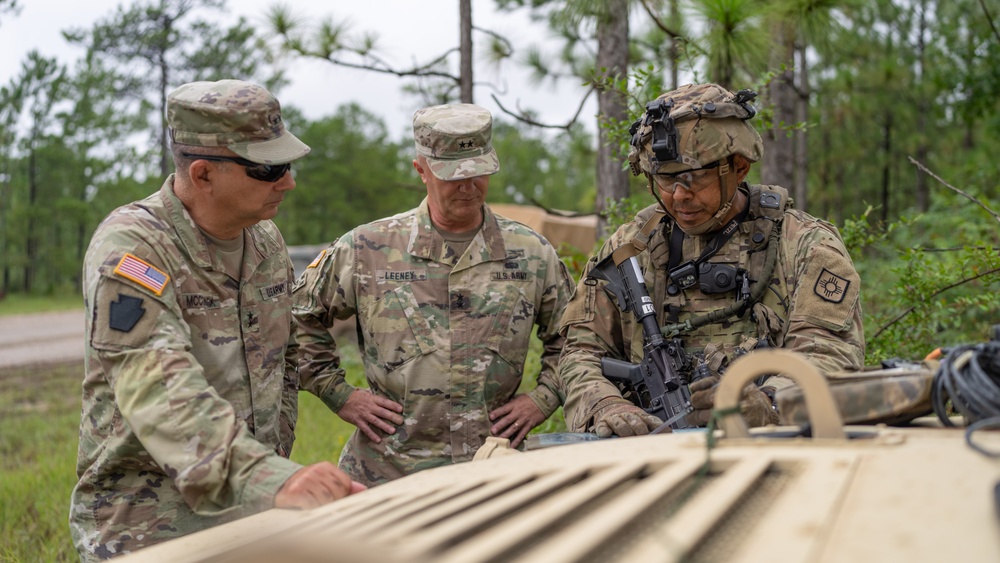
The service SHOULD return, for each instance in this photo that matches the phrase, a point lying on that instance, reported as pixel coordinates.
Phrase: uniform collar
(425, 242)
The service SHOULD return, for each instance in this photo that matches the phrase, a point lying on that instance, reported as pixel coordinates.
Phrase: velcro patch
(317, 259)
(270, 292)
(142, 273)
(124, 313)
(400, 275)
(831, 287)
(199, 301)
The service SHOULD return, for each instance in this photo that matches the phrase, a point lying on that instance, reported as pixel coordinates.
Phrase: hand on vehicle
(614, 415)
(515, 419)
(368, 411)
(755, 405)
(315, 485)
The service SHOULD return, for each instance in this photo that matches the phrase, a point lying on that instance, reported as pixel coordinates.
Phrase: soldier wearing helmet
(730, 267)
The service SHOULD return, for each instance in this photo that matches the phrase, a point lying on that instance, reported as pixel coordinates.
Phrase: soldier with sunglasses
(190, 390)
(730, 267)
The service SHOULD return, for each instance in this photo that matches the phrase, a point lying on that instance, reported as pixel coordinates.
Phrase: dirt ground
(54, 338)
(41, 338)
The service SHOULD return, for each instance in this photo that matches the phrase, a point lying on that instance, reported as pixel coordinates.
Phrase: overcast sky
(409, 31)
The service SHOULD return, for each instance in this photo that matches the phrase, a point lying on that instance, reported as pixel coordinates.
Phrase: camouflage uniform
(174, 437)
(443, 335)
(811, 305)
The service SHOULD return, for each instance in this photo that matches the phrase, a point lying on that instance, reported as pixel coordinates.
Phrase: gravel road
(41, 338)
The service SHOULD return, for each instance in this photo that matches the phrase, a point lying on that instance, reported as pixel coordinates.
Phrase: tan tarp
(579, 233)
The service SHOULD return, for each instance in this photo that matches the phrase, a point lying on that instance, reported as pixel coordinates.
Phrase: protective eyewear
(263, 172)
(693, 181)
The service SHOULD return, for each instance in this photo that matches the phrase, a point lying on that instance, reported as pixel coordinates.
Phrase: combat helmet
(693, 127)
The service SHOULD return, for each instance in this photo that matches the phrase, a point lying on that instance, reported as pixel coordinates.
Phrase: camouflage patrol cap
(238, 115)
(711, 125)
(456, 140)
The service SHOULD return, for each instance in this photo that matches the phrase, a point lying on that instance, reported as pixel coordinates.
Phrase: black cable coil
(970, 377)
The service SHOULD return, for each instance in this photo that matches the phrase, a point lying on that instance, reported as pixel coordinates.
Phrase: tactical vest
(763, 323)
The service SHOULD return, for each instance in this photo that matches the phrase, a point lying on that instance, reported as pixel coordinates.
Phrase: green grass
(20, 304)
(39, 422)
(40, 414)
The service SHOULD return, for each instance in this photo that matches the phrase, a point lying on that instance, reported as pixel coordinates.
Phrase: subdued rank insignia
(125, 313)
(460, 301)
(831, 287)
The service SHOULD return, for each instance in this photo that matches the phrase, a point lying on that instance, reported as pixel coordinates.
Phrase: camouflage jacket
(811, 306)
(171, 440)
(443, 335)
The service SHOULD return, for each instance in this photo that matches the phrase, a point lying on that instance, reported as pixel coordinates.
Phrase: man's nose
(681, 192)
(286, 182)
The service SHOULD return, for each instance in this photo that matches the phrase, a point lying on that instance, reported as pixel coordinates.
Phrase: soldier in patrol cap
(446, 296)
(190, 390)
(730, 267)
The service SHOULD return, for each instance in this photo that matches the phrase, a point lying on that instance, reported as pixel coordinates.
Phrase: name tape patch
(272, 291)
(199, 301)
(400, 275)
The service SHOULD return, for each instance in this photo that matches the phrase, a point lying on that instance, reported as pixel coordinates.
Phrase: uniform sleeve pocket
(828, 290)
(580, 308)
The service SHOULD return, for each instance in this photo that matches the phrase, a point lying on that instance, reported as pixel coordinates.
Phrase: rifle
(655, 384)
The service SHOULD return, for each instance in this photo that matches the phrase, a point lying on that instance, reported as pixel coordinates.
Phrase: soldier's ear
(742, 166)
(200, 173)
(420, 165)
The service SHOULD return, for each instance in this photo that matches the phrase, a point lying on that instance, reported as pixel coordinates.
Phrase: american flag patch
(142, 273)
(316, 260)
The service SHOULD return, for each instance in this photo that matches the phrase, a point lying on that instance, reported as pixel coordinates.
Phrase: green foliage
(555, 172)
(928, 281)
(320, 434)
(23, 304)
(355, 174)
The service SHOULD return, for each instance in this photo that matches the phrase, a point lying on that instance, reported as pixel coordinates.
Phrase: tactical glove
(755, 405)
(614, 415)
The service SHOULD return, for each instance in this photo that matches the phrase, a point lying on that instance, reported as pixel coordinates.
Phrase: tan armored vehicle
(844, 493)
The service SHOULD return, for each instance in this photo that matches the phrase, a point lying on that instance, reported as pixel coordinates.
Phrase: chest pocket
(398, 330)
(511, 331)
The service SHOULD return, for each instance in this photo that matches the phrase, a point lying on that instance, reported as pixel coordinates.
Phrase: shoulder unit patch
(831, 287)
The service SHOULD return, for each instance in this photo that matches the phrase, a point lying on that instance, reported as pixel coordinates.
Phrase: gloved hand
(614, 415)
(755, 405)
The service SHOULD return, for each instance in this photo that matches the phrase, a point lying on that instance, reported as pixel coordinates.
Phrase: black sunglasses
(263, 172)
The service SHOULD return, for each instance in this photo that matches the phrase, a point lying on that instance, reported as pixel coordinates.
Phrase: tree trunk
(801, 172)
(31, 242)
(675, 52)
(922, 195)
(777, 164)
(887, 157)
(612, 62)
(465, 50)
(831, 203)
(165, 163)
